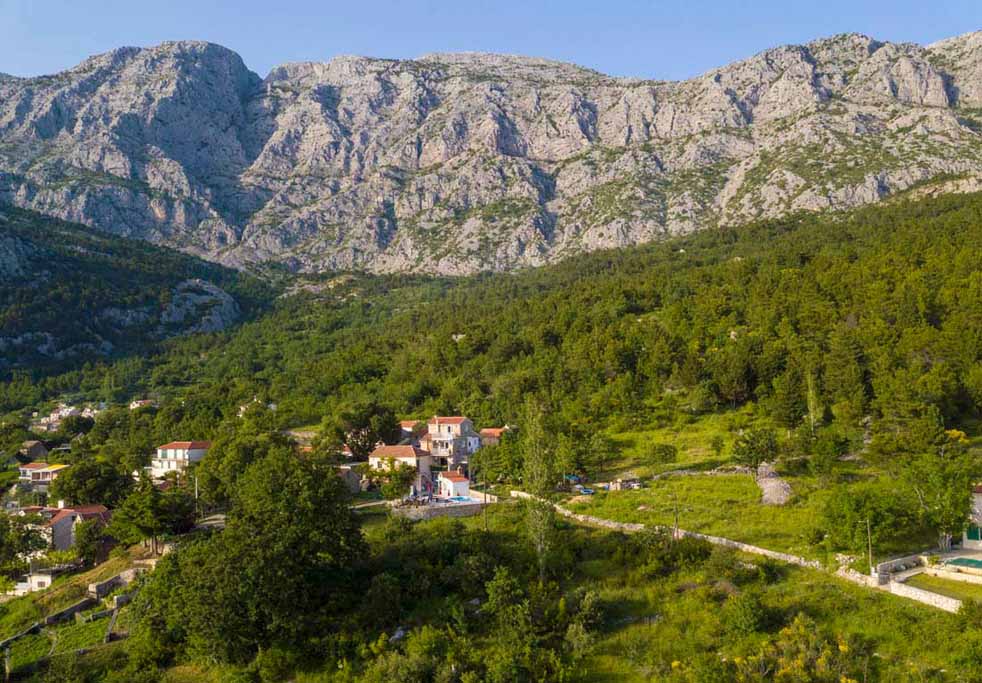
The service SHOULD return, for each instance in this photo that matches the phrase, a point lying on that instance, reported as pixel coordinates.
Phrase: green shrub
(662, 454)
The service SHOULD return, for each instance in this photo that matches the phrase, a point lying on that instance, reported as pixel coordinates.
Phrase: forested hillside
(69, 294)
(859, 335)
(874, 312)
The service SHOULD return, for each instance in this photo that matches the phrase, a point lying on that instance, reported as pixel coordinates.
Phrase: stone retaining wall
(430, 511)
(70, 611)
(724, 470)
(891, 566)
(927, 597)
(954, 576)
(897, 588)
(103, 588)
(628, 527)
(29, 631)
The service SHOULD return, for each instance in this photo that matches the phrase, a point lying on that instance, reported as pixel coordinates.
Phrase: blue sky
(650, 39)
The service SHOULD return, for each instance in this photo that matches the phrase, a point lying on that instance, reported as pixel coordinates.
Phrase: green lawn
(721, 505)
(960, 590)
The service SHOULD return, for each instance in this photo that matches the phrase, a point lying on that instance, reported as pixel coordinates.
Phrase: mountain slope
(70, 295)
(455, 163)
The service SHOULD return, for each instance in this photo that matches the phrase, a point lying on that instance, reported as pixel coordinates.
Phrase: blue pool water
(966, 562)
(459, 499)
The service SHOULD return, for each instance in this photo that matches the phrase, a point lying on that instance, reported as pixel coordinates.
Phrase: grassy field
(960, 590)
(690, 435)
(721, 505)
(658, 627)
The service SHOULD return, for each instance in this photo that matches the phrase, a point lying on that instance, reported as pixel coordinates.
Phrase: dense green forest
(80, 294)
(802, 340)
(874, 312)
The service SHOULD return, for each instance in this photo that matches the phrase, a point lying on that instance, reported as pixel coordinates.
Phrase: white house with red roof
(451, 440)
(59, 523)
(491, 436)
(385, 457)
(176, 456)
(454, 484)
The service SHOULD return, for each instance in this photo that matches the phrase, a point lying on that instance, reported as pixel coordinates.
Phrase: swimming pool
(459, 499)
(965, 562)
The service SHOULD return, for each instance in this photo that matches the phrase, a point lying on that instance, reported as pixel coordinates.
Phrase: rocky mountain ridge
(457, 163)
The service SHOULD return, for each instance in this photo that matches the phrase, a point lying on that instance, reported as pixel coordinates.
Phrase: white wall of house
(63, 533)
(422, 464)
(450, 488)
(972, 538)
(174, 460)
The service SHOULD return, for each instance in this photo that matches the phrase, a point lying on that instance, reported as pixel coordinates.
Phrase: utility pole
(869, 545)
(675, 501)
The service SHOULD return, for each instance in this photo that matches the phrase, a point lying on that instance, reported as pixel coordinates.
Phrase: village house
(59, 523)
(142, 403)
(350, 477)
(37, 579)
(450, 440)
(454, 484)
(384, 457)
(34, 450)
(176, 456)
(409, 433)
(40, 474)
(491, 436)
(972, 538)
(52, 422)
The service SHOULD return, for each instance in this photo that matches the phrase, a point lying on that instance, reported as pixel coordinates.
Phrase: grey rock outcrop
(198, 306)
(456, 163)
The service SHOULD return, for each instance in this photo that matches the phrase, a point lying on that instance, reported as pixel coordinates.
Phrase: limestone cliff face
(455, 163)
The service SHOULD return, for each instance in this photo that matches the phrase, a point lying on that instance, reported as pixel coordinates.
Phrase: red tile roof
(34, 466)
(493, 431)
(453, 476)
(83, 511)
(186, 445)
(453, 420)
(408, 424)
(399, 452)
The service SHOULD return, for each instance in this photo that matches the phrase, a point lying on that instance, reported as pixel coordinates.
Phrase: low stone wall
(896, 587)
(926, 597)
(103, 588)
(857, 577)
(629, 527)
(755, 550)
(894, 565)
(420, 512)
(69, 612)
(724, 470)
(29, 631)
(479, 495)
(953, 575)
